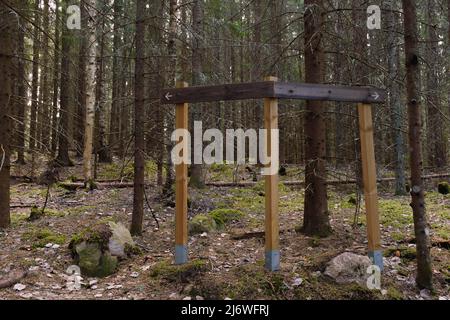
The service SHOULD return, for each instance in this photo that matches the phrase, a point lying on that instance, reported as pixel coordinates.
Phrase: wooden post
(272, 250)
(370, 183)
(181, 180)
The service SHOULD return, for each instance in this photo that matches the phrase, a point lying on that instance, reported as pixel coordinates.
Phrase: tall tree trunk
(101, 148)
(63, 158)
(155, 125)
(171, 81)
(421, 227)
(56, 70)
(21, 93)
(44, 124)
(316, 219)
(116, 67)
(436, 140)
(8, 32)
(81, 92)
(139, 141)
(197, 178)
(90, 92)
(35, 78)
(448, 59)
(395, 102)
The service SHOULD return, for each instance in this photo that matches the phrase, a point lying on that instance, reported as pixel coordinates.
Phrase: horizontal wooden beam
(271, 89)
(308, 91)
(241, 91)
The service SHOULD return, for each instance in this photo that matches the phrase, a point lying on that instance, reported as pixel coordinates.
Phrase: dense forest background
(80, 100)
(215, 42)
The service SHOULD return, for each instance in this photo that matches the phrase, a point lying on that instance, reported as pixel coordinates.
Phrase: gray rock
(119, 240)
(348, 268)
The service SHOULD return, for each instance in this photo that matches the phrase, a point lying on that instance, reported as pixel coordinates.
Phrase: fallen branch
(250, 235)
(435, 242)
(118, 184)
(14, 277)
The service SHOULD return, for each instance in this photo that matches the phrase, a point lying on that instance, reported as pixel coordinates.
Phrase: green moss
(18, 218)
(395, 213)
(253, 281)
(221, 172)
(244, 199)
(202, 223)
(292, 202)
(179, 273)
(443, 232)
(224, 216)
(36, 213)
(40, 237)
(114, 170)
(260, 187)
(394, 294)
(79, 209)
(99, 232)
(93, 262)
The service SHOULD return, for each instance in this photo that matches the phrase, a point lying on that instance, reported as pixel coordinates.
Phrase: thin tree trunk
(81, 92)
(21, 92)
(171, 80)
(44, 124)
(90, 92)
(116, 67)
(7, 34)
(35, 78)
(316, 219)
(395, 102)
(56, 70)
(101, 148)
(197, 178)
(421, 227)
(139, 141)
(63, 158)
(436, 140)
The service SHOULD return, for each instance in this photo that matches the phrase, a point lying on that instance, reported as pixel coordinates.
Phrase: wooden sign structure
(271, 90)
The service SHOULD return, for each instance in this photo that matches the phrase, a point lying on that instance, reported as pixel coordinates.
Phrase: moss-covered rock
(93, 262)
(98, 248)
(224, 216)
(202, 223)
(35, 214)
(179, 273)
(444, 188)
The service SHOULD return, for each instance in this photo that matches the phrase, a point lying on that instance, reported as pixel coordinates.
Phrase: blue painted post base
(181, 254)
(273, 260)
(377, 258)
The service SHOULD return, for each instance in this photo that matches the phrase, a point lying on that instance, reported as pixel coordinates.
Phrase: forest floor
(221, 266)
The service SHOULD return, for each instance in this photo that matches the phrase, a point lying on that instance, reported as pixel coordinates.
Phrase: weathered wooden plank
(272, 89)
(241, 91)
(306, 91)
